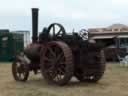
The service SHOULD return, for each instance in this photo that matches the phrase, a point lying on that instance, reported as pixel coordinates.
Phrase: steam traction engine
(59, 56)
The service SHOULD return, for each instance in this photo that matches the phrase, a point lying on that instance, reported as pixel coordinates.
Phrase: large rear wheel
(57, 63)
(94, 68)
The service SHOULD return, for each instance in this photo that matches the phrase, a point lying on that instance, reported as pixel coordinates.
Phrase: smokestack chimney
(34, 25)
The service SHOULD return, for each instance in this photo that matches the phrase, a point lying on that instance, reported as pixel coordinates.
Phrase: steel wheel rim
(56, 30)
(63, 75)
(20, 70)
(54, 66)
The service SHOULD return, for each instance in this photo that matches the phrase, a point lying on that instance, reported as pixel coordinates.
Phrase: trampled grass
(113, 83)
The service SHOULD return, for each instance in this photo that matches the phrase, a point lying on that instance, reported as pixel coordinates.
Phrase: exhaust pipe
(34, 25)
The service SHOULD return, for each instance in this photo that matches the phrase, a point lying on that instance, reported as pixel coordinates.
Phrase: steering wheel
(56, 30)
(83, 34)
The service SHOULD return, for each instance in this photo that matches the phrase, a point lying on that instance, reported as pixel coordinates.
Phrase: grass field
(113, 83)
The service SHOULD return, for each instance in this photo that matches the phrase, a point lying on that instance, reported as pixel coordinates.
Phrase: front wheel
(20, 70)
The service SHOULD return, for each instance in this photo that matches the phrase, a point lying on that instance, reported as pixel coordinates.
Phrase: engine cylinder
(33, 52)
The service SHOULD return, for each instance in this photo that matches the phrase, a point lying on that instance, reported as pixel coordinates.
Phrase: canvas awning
(109, 36)
(104, 37)
(122, 36)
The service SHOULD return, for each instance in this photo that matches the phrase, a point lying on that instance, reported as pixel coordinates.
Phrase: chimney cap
(35, 8)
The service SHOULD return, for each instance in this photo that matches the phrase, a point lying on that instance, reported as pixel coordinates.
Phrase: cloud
(68, 12)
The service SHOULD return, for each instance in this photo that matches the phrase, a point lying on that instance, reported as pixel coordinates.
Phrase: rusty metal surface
(20, 69)
(59, 55)
(61, 69)
(94, 70)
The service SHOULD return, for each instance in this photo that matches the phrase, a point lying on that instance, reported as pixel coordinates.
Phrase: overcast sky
(78, 14)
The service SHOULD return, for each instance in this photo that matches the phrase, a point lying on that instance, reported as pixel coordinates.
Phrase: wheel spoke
(58, 33)
(52, 73)
(54, 30)
(59, 77)
(56, 69)
(51, 52)
(50, 60)
(61, 70)
(20, 75)
(59, 57)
